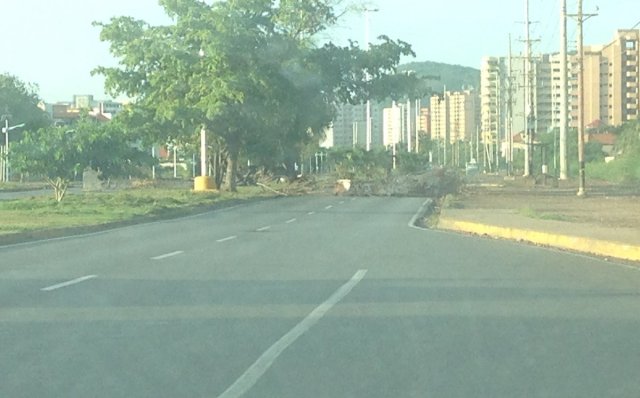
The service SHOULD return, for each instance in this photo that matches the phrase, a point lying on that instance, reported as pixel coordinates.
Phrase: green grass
(91, 209)
(452, 202)
(624, 170)
(530, 212)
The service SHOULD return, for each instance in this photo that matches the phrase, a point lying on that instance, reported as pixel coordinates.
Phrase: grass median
(42, 216)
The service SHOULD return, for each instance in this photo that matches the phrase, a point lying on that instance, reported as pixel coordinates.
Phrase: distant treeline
(453, 77)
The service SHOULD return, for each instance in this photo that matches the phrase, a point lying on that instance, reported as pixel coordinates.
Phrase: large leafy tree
(249, 71)
(19, 103)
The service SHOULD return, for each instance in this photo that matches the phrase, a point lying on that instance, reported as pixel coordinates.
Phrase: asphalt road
(11, 195)
(312, 297)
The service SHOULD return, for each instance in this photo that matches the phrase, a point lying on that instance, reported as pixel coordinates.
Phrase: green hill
(454, 77)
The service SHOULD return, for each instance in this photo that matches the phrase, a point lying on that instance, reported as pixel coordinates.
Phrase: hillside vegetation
(454, 77)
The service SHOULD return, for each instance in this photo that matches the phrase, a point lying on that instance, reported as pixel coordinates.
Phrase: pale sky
(51, 42)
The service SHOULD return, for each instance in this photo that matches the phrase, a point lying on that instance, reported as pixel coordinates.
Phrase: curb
(579, 244)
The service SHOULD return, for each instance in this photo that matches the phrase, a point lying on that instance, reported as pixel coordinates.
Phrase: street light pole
(5, 161)
(6, 129)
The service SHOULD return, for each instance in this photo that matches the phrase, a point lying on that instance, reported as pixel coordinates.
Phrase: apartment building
(454, 116)
(611, 88)
(392, 125)
(350, 129)
(611, 81)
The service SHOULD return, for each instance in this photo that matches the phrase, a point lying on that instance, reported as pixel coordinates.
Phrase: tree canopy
(19, 103)
(59, 154)
(249, 71)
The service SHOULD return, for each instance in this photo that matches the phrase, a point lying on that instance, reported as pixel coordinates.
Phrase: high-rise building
(611, 81)
(392, 125)
(611, 89)
(439, 106)
(350, 129)
(454, 116)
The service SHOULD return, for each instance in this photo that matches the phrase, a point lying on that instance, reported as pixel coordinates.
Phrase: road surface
(312, 297)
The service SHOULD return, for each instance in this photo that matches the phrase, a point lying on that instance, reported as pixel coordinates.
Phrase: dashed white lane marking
(162, 257)
(228, 238)
(311, 213)
(68, 283)
(341, 202)
(291, 221)
(249, 378)
(329, 207)
(263, 229)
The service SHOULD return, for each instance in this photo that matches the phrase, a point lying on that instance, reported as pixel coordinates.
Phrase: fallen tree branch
(271, 189)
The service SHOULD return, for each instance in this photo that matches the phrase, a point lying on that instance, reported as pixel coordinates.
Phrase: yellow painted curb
(575, 243)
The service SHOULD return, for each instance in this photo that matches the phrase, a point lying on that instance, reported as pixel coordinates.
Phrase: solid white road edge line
(262, 364)
(68, 283)
(162, 257)
(419, 213)
(106, 231)
(228, 238)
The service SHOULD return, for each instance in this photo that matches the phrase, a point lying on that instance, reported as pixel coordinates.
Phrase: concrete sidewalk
(614, 242)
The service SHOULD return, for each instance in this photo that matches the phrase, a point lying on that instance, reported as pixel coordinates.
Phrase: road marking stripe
(110, 230)
(228, 238)
(249, 378)
(420, 213)
(311, 213)
(341, 202)
(162, 257)
(68, 283)
(328, 207)
(292, 220)
(263, 229)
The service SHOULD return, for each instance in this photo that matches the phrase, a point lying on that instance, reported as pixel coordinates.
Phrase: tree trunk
(232, 171)
(59, 186)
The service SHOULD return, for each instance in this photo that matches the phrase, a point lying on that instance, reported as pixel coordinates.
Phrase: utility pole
(564, 87)
(510, 112)
(446, 124)
(367, 29)
(530, 112)
(581, 18)
(408, 126)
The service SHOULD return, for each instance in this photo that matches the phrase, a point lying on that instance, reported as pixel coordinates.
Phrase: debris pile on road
(434, 183)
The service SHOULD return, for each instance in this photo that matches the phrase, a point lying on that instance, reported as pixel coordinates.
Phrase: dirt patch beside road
(605, 205)
(606, 223)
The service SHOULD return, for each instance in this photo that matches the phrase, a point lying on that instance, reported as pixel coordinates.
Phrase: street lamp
(5, 130)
